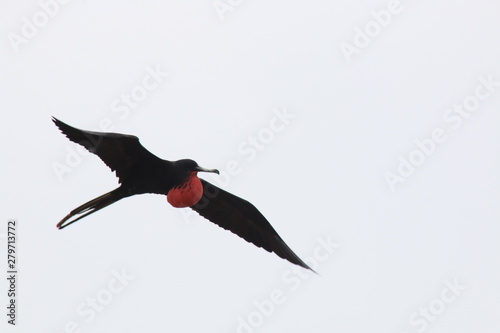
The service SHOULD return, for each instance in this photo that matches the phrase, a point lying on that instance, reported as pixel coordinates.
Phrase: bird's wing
(120, 152)
(242, 218)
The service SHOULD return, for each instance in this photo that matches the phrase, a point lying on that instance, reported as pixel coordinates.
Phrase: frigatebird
(139, 172)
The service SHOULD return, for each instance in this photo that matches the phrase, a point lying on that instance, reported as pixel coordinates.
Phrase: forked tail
(92, 206)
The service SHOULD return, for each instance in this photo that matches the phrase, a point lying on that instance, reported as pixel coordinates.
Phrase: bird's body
(139, 172)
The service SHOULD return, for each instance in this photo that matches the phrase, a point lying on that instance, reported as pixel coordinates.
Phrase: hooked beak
(199, 168)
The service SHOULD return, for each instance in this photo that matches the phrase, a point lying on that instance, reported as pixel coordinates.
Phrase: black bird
(139, 172)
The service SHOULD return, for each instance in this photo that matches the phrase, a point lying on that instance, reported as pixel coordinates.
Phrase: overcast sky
(367, 132)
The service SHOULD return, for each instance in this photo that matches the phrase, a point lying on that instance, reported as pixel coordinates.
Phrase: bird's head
(188, 166)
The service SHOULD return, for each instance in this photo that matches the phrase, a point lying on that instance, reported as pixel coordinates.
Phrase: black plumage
(139, 171)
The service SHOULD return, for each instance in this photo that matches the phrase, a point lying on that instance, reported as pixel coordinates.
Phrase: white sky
(319, 176)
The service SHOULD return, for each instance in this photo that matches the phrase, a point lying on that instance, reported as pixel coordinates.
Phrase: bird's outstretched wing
(242, 218)
(121, 153)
